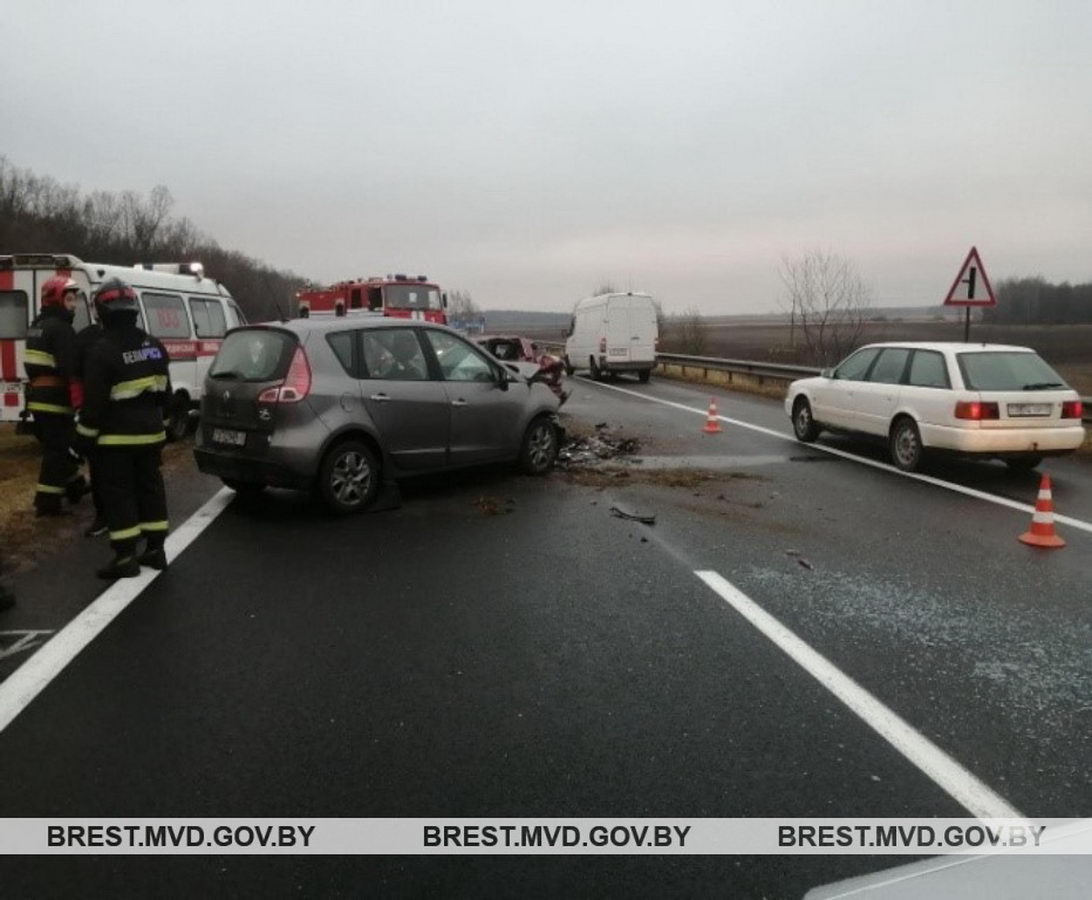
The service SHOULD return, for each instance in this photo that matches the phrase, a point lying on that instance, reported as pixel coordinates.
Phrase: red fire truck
(400, 296)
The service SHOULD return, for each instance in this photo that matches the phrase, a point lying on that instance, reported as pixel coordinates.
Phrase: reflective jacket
(126, 387)
(48, 359)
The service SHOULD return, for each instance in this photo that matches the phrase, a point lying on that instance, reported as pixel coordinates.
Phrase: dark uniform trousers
(130, 486)
(60, 470)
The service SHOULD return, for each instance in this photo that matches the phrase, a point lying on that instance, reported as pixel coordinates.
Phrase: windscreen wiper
(229, 373)
(1043, 385)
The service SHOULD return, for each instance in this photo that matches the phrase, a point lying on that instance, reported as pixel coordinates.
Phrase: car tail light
(296, 384)
(975, 410)
(1072, 409)
(602, 345)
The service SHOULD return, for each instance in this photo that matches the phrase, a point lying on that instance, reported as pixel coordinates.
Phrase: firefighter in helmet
(48, 359)
(126, 387)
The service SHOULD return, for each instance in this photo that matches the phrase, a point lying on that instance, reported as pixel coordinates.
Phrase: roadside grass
(25, 538)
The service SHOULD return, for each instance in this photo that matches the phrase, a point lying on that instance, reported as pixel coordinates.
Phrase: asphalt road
(505, 647)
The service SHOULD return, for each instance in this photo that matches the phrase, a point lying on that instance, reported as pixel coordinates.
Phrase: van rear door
(642, 322)
(619, 330)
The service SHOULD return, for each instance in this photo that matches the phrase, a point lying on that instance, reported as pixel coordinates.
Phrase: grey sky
(527, 152)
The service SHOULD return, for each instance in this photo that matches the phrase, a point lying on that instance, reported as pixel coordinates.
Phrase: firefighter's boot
(154, 556)
(120, 567)
(76, 488)
(48, 505)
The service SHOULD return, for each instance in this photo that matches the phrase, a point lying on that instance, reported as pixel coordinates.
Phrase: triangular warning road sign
(971, 286)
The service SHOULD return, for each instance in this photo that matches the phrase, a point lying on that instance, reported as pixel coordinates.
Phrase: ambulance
(187, 311)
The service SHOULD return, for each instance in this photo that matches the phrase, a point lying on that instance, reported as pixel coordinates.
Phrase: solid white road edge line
(834, 451)
(944, 771)
(32, 677)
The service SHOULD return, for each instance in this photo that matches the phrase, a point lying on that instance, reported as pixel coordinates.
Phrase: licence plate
(11, 387)
(229, 437)
(619, 351)
(1029, 409)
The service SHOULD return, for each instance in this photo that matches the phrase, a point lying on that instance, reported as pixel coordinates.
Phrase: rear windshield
(1008, 371)
(258, 354)
(505, 349)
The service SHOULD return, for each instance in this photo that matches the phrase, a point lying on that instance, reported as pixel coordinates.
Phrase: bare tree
(828, 301)
(690, 334)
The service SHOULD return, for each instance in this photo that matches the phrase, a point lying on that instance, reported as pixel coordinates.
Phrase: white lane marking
(944, 771)
(26, 640)
(33, 676)
(834, 451)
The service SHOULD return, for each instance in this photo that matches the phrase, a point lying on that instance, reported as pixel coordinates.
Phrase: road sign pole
(967, 325)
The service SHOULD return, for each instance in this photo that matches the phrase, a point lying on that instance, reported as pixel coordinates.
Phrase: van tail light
(976, 411)
(1072, 409)
(296, 384)
(602, 345)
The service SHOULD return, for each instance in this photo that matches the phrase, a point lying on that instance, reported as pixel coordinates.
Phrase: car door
(877, 396)
(409, 407)
(835, 397)
(927, 392)
(487, 407)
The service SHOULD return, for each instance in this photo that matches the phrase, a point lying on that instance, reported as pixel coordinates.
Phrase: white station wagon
(987, 400)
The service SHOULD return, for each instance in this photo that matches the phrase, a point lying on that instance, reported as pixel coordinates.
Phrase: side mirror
(443, 299)
(827, 373)
(503, 378)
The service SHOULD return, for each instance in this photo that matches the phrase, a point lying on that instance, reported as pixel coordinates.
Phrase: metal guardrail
(773, 371)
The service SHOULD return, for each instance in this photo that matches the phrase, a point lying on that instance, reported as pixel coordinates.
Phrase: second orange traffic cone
(712, 423)
(1041, 533)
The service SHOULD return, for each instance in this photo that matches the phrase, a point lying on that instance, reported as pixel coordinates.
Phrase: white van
(613, 333)
(188, 312)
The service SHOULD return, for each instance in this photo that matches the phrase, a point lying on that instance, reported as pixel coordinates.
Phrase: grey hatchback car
(345, 406)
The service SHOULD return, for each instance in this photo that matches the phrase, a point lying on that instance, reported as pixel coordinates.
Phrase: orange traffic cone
(712, 423)
(1042, 533)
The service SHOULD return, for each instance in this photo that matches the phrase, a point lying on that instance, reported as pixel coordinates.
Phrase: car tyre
(593, 368)
(905, 445)
(243, 487)
(348, 479)
(803, 422)
(538, 452)
(644, 375)
(568, 367)
(1023, 463)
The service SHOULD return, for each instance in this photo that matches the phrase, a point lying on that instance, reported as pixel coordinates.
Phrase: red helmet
(53, 291)
(115, 296)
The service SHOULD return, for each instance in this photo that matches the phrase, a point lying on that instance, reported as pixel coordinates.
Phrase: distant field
(1067, 347)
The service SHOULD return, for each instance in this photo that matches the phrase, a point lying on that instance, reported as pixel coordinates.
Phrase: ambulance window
(208, 318)
(236, 317)
(83, 316)
(166, 316)
(13, 315)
